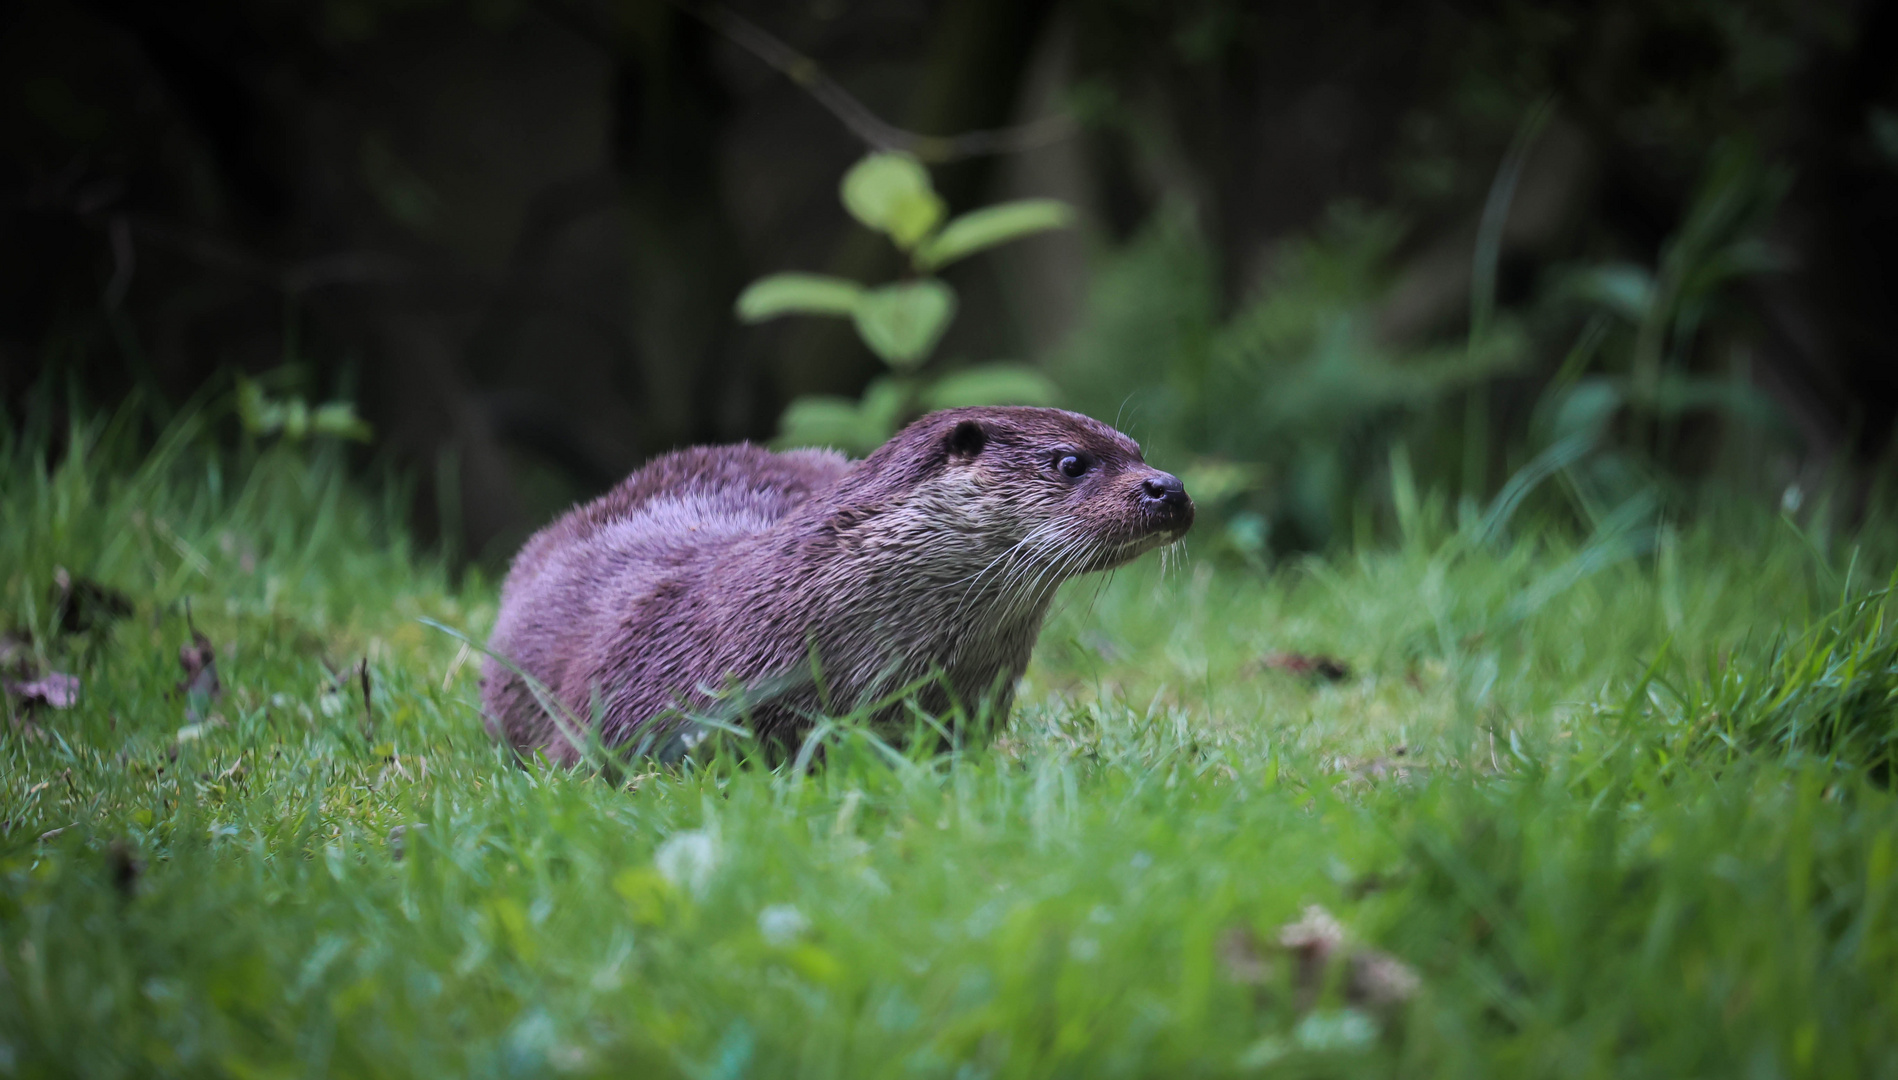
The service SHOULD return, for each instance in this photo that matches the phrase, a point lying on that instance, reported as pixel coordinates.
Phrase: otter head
(1039, 495)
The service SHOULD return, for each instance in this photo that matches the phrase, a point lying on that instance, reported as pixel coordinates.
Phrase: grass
(1557, 782)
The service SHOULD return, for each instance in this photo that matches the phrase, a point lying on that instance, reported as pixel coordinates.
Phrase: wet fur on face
(730, 568)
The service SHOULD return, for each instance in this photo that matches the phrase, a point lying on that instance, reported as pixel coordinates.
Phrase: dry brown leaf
(54, 690)
(1313, 944)
(1308, 665)
(201, 685)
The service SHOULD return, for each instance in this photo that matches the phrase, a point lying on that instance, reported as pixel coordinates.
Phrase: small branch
(95, 207)
(805, 73)
(368, 709)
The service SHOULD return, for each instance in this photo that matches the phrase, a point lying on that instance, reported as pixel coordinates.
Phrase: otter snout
(1164, 499)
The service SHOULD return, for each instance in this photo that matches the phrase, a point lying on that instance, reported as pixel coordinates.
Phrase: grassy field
(1613, 805)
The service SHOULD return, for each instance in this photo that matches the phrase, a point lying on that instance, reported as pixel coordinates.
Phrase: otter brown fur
(811, 584)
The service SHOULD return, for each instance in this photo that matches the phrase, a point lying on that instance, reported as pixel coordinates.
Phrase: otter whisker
(1100, 548)
(1060, 565)
(1020, 572)
(1011, 551)
(1173, 559)
(1100, 590)
(1101, 583)
(976, 591)
(1035, 587)
(1072, 562)
(1033, 534)
(1017, 597)
(1007, 560)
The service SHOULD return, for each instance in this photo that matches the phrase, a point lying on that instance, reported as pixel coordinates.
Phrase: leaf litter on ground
(1307, 665)
(54, 690)
(201, 684)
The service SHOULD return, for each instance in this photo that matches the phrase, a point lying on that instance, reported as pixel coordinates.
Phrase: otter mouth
(1168, 532)
(1126, 551)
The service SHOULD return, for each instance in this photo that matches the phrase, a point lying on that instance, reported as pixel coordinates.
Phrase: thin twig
(368, 709)
(855, 115)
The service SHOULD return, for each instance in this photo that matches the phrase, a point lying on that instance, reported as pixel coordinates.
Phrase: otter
(801, 583)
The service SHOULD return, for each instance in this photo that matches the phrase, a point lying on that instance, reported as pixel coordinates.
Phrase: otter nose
(1163, 493)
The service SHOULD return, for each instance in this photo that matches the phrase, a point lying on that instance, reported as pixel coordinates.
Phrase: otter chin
(771, 588)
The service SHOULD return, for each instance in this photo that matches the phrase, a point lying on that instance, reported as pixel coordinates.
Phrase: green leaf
(1586, 409)
(826, 421)
(296, 419)
(1214, 480)
(1624, 288)
(819, 420)
(901, 323)
(990, 384)
(882, 408)
(260, 415)
(891, 193)
(339, 419)
(979, 230)
(854, 426)
(803, 294)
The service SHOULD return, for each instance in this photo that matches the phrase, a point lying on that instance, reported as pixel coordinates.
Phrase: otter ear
(966, 439)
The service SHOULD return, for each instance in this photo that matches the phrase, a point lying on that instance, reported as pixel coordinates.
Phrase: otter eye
(1072, 465)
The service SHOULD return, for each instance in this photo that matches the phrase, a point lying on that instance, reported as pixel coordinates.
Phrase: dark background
(512, 232)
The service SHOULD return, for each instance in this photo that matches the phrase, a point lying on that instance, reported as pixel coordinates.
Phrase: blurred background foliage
(1640, 251)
